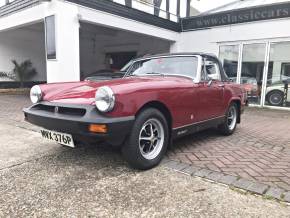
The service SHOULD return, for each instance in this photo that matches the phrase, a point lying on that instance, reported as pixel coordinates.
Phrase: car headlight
(35, 94)
(105, 99)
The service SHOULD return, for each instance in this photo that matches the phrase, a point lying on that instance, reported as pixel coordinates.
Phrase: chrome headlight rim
(105, 99)
(35, 94)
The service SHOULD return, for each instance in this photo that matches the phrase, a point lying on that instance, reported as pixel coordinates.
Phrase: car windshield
(165, 66)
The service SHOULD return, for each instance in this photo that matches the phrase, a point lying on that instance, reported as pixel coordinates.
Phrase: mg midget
(160, 98)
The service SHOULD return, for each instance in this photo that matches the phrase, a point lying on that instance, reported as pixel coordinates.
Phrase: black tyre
(148, 141)
(275, 98)
(230, 123)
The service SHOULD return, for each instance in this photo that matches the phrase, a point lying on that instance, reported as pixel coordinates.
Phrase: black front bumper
(75, 120)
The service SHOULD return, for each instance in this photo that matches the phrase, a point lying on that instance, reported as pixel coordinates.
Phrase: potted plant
(23, 71)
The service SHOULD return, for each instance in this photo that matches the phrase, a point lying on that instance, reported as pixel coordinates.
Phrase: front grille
(60, 110)
(72, 111)
(43, 107)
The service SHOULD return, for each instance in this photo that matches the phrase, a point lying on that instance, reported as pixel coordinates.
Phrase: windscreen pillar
(62, 43)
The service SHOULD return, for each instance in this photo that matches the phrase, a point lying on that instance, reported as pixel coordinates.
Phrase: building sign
(273, 11)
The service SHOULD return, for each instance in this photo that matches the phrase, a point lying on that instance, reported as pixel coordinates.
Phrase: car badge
(56, 110)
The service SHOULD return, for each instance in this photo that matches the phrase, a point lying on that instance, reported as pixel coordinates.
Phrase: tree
(23, 71)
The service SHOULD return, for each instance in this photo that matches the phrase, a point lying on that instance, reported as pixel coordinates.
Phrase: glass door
(229, 56)
(252, 70)
(277, 91)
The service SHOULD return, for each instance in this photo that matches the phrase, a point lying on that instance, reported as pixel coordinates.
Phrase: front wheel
(230, 123)
(148, 141)
(275, 98)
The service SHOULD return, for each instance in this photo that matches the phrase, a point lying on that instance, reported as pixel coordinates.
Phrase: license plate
(61, 138)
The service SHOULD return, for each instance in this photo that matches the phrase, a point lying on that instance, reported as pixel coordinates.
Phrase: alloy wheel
(276, 99)
(232, 117)
(151, 138)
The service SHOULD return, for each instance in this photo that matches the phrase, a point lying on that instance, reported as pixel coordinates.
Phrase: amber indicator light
(98, 128)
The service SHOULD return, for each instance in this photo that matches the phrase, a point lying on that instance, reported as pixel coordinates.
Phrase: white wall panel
(66, 67)
(26, 43)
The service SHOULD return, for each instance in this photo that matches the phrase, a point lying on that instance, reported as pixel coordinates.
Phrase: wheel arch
(162, 108)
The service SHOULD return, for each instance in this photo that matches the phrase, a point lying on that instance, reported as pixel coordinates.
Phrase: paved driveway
(43, 179)
(259, 150)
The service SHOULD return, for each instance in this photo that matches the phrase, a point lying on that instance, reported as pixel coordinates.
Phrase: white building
(69, 39)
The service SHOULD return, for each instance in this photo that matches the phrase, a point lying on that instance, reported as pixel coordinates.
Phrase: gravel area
(54, 181)
(43, 179)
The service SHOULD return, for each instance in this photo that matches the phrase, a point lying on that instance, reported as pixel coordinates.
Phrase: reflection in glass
(229, 55)
(252, 71)
(278, 78)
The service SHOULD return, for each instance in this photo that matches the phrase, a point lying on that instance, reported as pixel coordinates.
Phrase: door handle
(221, 85)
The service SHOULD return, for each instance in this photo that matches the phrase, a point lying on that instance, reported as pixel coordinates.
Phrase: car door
(210, 90)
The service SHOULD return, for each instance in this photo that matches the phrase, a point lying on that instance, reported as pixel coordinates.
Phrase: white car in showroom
(275, 93)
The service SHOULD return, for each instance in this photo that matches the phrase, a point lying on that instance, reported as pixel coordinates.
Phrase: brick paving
(259, 151)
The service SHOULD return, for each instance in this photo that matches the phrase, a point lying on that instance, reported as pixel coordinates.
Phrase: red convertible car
(159, 99)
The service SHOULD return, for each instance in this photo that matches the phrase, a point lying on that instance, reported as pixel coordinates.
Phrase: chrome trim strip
(198, 122)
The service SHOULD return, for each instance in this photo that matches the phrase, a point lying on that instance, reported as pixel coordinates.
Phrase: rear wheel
(148, 141)
(275, 98)
(230, 123)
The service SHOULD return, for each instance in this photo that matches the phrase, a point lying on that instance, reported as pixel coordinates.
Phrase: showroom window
(229, 56)
(253, 63)
(278, 77)
(263, 68)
